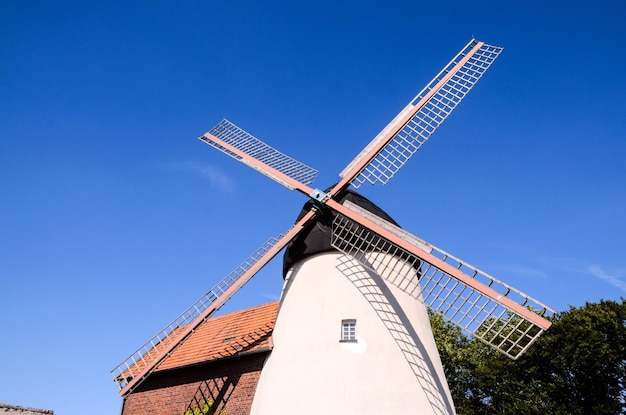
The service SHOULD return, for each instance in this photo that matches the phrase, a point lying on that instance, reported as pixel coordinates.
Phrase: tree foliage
(577, 367)
(207, 408)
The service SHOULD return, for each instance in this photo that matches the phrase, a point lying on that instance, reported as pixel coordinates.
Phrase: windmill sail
(484, 307)
(136, 368)
(413, 126)
(244, 147)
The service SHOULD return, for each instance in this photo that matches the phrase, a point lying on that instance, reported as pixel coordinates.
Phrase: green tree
(577, 367)
(208, 408)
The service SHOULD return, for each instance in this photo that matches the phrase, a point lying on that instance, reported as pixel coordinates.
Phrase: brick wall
(228, 384)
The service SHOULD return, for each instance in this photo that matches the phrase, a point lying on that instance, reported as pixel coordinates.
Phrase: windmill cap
(315, 239)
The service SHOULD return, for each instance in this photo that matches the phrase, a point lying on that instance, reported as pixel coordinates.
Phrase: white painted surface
(393, 367)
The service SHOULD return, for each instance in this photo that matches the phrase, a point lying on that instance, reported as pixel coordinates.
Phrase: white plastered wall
(393, 367)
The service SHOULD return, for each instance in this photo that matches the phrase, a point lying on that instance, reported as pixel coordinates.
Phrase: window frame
(348, 331)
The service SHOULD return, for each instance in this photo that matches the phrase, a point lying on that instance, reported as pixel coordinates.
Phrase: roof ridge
(244, 310)
(24, 408)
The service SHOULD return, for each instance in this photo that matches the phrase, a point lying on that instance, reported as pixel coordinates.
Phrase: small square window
(348, 330)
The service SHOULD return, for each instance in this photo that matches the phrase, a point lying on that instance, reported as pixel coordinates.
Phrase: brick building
(215, 370)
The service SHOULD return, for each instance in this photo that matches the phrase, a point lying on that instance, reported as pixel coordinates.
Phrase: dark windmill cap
(316, 238)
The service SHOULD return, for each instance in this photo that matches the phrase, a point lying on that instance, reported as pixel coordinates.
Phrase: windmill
(369, 247)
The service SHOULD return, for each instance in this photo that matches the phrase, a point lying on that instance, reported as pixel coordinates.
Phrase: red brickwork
(218, 365)
(228, 384)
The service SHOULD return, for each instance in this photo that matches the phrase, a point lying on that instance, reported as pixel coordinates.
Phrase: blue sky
(115, 218)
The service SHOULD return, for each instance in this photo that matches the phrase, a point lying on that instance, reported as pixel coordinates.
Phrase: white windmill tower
(353, 331)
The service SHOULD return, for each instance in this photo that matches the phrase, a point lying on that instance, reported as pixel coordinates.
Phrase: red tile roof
(228, 335)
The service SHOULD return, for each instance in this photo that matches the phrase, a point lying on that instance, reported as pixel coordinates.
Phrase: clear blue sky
(115, 217)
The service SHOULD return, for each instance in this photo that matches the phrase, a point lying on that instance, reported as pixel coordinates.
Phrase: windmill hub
(319, 195)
